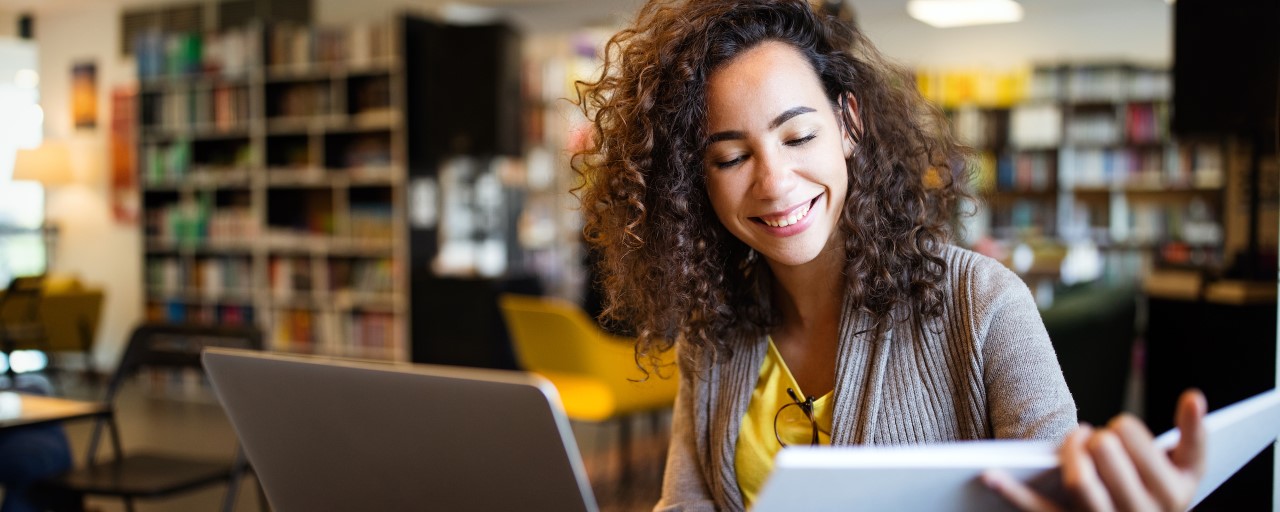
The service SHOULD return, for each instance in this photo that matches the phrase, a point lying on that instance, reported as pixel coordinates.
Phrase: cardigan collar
(860, 372)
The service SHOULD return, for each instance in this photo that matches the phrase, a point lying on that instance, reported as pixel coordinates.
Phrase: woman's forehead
(762, 82)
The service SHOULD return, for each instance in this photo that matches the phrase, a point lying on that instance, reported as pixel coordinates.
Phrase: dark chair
(139, 474)
(1093, 331)
(20, 324)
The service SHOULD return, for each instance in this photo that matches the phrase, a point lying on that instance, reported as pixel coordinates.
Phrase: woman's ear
(850, 105)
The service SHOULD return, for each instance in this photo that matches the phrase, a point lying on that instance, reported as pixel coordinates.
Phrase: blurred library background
(364, 179)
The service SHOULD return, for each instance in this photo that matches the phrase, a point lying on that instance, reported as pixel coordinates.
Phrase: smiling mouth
(795, 215)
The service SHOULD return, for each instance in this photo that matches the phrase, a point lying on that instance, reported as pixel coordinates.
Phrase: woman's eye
(800, 141)
(725, 164)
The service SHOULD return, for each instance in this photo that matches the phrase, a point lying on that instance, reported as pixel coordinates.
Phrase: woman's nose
(774, 176)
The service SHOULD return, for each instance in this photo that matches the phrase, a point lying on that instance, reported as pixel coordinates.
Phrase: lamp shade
(49, 164)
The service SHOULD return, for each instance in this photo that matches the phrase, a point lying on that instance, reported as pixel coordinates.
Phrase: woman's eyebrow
(790, 113)
(777, 121)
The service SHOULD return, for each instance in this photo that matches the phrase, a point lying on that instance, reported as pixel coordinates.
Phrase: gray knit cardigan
(983, 369)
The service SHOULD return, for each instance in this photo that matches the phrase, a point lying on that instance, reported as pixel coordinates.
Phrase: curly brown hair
(669, 269)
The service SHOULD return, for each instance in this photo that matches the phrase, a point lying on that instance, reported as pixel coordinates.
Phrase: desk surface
(22, 409)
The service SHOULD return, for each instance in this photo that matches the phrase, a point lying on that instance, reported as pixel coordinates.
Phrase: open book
(944, 477)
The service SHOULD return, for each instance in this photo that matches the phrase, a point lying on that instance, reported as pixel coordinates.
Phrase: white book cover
(945, 477)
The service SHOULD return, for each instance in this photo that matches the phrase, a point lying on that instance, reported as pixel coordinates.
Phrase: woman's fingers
(1017, 493)
(1080, 476)
(1163, 480)
(1140, 476)
(1120, 467)
(1189, 454)
(1118, 473)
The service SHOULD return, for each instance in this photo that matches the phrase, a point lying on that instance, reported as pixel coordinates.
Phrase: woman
(766, 190)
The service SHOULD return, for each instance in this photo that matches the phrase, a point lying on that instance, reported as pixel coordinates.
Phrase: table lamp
(50, 165)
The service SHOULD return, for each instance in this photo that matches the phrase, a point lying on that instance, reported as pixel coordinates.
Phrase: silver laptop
(325, 434)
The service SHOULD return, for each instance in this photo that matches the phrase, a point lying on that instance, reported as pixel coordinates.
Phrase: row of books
(292, 277)
(183, 312)
(235, 52)
(357, 44)
(364, 150)
(221, 108)
(230, 278)
(370, 94)
(1178, 168)
(183, 222)
(1148, 223)
(371, 330)
(980, 128)
(231, 53)
(951, 88)
(1043, 125)
(295, 330)
(1191, 223)
(1099, 83)
(195, 222)
(303, 330)
(1099, 128)
(1027, 172)
(1023, 215)
(1140, 123)
(303, 99)
(232, 223)
(1147, 123)
(162, 163)
(371, 221)
(177, 160)
(212, 278)
(364, 275)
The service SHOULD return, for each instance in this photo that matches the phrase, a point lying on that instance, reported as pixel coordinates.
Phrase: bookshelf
(273, 164)
(1082, 152)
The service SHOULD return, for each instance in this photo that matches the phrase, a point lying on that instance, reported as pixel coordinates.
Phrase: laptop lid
(326, 434)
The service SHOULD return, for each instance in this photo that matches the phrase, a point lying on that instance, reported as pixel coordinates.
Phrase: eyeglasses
(805, 406)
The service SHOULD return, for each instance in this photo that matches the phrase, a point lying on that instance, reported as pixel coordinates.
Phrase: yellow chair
(595, 372)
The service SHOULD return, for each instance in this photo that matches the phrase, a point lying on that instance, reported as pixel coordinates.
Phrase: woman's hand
(1118, 467)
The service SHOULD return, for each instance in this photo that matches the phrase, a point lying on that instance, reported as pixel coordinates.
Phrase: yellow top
(757, 444)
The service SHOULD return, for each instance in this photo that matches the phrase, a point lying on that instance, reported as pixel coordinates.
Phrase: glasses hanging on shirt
(805, 406)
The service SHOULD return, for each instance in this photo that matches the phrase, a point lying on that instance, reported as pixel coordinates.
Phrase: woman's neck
(809, 297)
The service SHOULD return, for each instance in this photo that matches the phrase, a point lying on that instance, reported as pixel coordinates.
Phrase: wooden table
(24, 410)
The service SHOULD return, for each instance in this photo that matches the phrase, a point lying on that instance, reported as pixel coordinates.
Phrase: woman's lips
(791, 221)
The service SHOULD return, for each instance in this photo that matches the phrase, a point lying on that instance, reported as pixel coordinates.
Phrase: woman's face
(775, 159)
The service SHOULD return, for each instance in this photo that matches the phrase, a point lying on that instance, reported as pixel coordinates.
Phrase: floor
(180, 415)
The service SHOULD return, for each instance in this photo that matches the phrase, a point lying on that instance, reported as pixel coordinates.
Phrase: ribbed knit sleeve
(1027, 397)
(684, 488)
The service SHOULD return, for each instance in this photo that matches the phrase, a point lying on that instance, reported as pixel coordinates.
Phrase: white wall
(91, 244)
(8, 24)
(1080, 30)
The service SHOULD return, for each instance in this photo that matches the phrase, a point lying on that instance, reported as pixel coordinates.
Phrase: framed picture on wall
(84, 95)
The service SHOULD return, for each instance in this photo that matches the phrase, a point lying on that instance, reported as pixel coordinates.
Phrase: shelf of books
(1082, 153)
(272, 163)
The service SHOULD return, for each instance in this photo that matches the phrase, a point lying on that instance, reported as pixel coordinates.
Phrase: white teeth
(794, 217)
